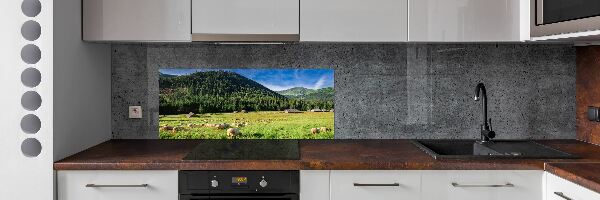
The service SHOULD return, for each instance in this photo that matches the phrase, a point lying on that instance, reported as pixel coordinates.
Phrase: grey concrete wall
(382, 90)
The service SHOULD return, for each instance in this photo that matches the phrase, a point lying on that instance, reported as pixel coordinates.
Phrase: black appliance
(554, 17)
(235, 185)
(554, 11)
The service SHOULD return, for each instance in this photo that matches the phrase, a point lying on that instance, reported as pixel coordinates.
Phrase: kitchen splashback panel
(382, 90)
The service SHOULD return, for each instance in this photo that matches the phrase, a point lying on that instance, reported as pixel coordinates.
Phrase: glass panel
(564, 10)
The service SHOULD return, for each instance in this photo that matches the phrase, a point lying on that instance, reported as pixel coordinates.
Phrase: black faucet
(486, 129)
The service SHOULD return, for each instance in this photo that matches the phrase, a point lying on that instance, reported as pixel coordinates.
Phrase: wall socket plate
(135, 112)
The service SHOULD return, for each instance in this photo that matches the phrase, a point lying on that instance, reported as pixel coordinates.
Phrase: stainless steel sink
(471, 149)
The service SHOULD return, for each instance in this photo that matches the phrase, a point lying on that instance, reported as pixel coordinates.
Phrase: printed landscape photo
(246, 104)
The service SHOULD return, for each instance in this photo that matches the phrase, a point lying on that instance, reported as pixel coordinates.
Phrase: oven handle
(245, 196)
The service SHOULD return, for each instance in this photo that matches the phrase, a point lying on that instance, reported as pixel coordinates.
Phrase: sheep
(221, 126)
(175, 129)
(233, 133)
(314, 131)
(241, 124)
(208, 125)
(190, 115)
(194, 125)
(165, 128)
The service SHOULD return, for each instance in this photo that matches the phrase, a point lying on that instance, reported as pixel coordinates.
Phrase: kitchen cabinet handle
(560, 194)
(115, 186)
(376, 184)
(492, 185)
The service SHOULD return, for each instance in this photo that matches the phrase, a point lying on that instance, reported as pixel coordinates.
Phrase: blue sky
(275, 79)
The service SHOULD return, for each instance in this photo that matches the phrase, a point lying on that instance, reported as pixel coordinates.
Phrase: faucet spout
(486, 132)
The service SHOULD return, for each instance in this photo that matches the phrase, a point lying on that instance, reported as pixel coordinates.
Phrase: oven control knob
(214, 183)
(263, 183)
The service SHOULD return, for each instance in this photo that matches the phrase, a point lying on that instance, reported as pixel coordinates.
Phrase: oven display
(239, 181)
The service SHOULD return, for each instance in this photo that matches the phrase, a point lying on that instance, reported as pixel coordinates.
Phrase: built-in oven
(237, 185)
(553, 17)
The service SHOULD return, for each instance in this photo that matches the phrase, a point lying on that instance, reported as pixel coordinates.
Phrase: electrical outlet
(135, 112)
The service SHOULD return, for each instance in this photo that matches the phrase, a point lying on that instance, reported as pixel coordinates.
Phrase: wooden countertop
(584, 174)
(331, 155)
(314, 154)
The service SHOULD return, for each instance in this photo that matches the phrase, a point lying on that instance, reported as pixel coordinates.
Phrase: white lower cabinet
(314, 184)
(560, 189)
(117, 185)
(433, 185)
(341, 185)
(482, 185)
(375, 185)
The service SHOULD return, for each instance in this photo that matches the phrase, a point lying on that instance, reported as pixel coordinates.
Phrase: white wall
(79, 93)
(21, 177)
(82, 75)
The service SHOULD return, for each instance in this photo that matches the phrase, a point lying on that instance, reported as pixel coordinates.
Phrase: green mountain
(217, 83)
(324, 94)
(222, 91)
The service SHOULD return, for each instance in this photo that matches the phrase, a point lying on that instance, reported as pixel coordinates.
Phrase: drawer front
(482, 185)
(117, 185)
(314, 185)
(375, 185)
(560, 189)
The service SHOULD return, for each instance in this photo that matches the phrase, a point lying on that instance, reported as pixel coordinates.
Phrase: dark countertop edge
(573, 177)
(416, 160)
(299, 165)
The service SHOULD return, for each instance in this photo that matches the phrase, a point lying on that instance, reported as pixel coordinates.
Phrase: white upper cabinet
(136, 20)
(468, 20)
(353, 20)
(245, 20)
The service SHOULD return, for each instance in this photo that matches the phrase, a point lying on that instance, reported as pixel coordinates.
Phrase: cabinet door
(374, 184)
(117, 185)
(136, 20)
(247, 17)
(482, 185)
(354, 20)
(560, 189)
(314, 185)
(468, 20)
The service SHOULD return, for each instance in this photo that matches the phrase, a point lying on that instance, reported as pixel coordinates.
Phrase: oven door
(238, 197)
(552, 17)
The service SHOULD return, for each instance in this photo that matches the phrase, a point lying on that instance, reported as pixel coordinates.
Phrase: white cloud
(283, 87)
(276, 87)
(319, 84)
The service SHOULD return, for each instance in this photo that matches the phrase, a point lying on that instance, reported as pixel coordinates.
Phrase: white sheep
(233, 132)
(314, 131)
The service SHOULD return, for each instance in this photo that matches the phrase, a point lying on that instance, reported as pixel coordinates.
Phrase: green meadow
(251, 125)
